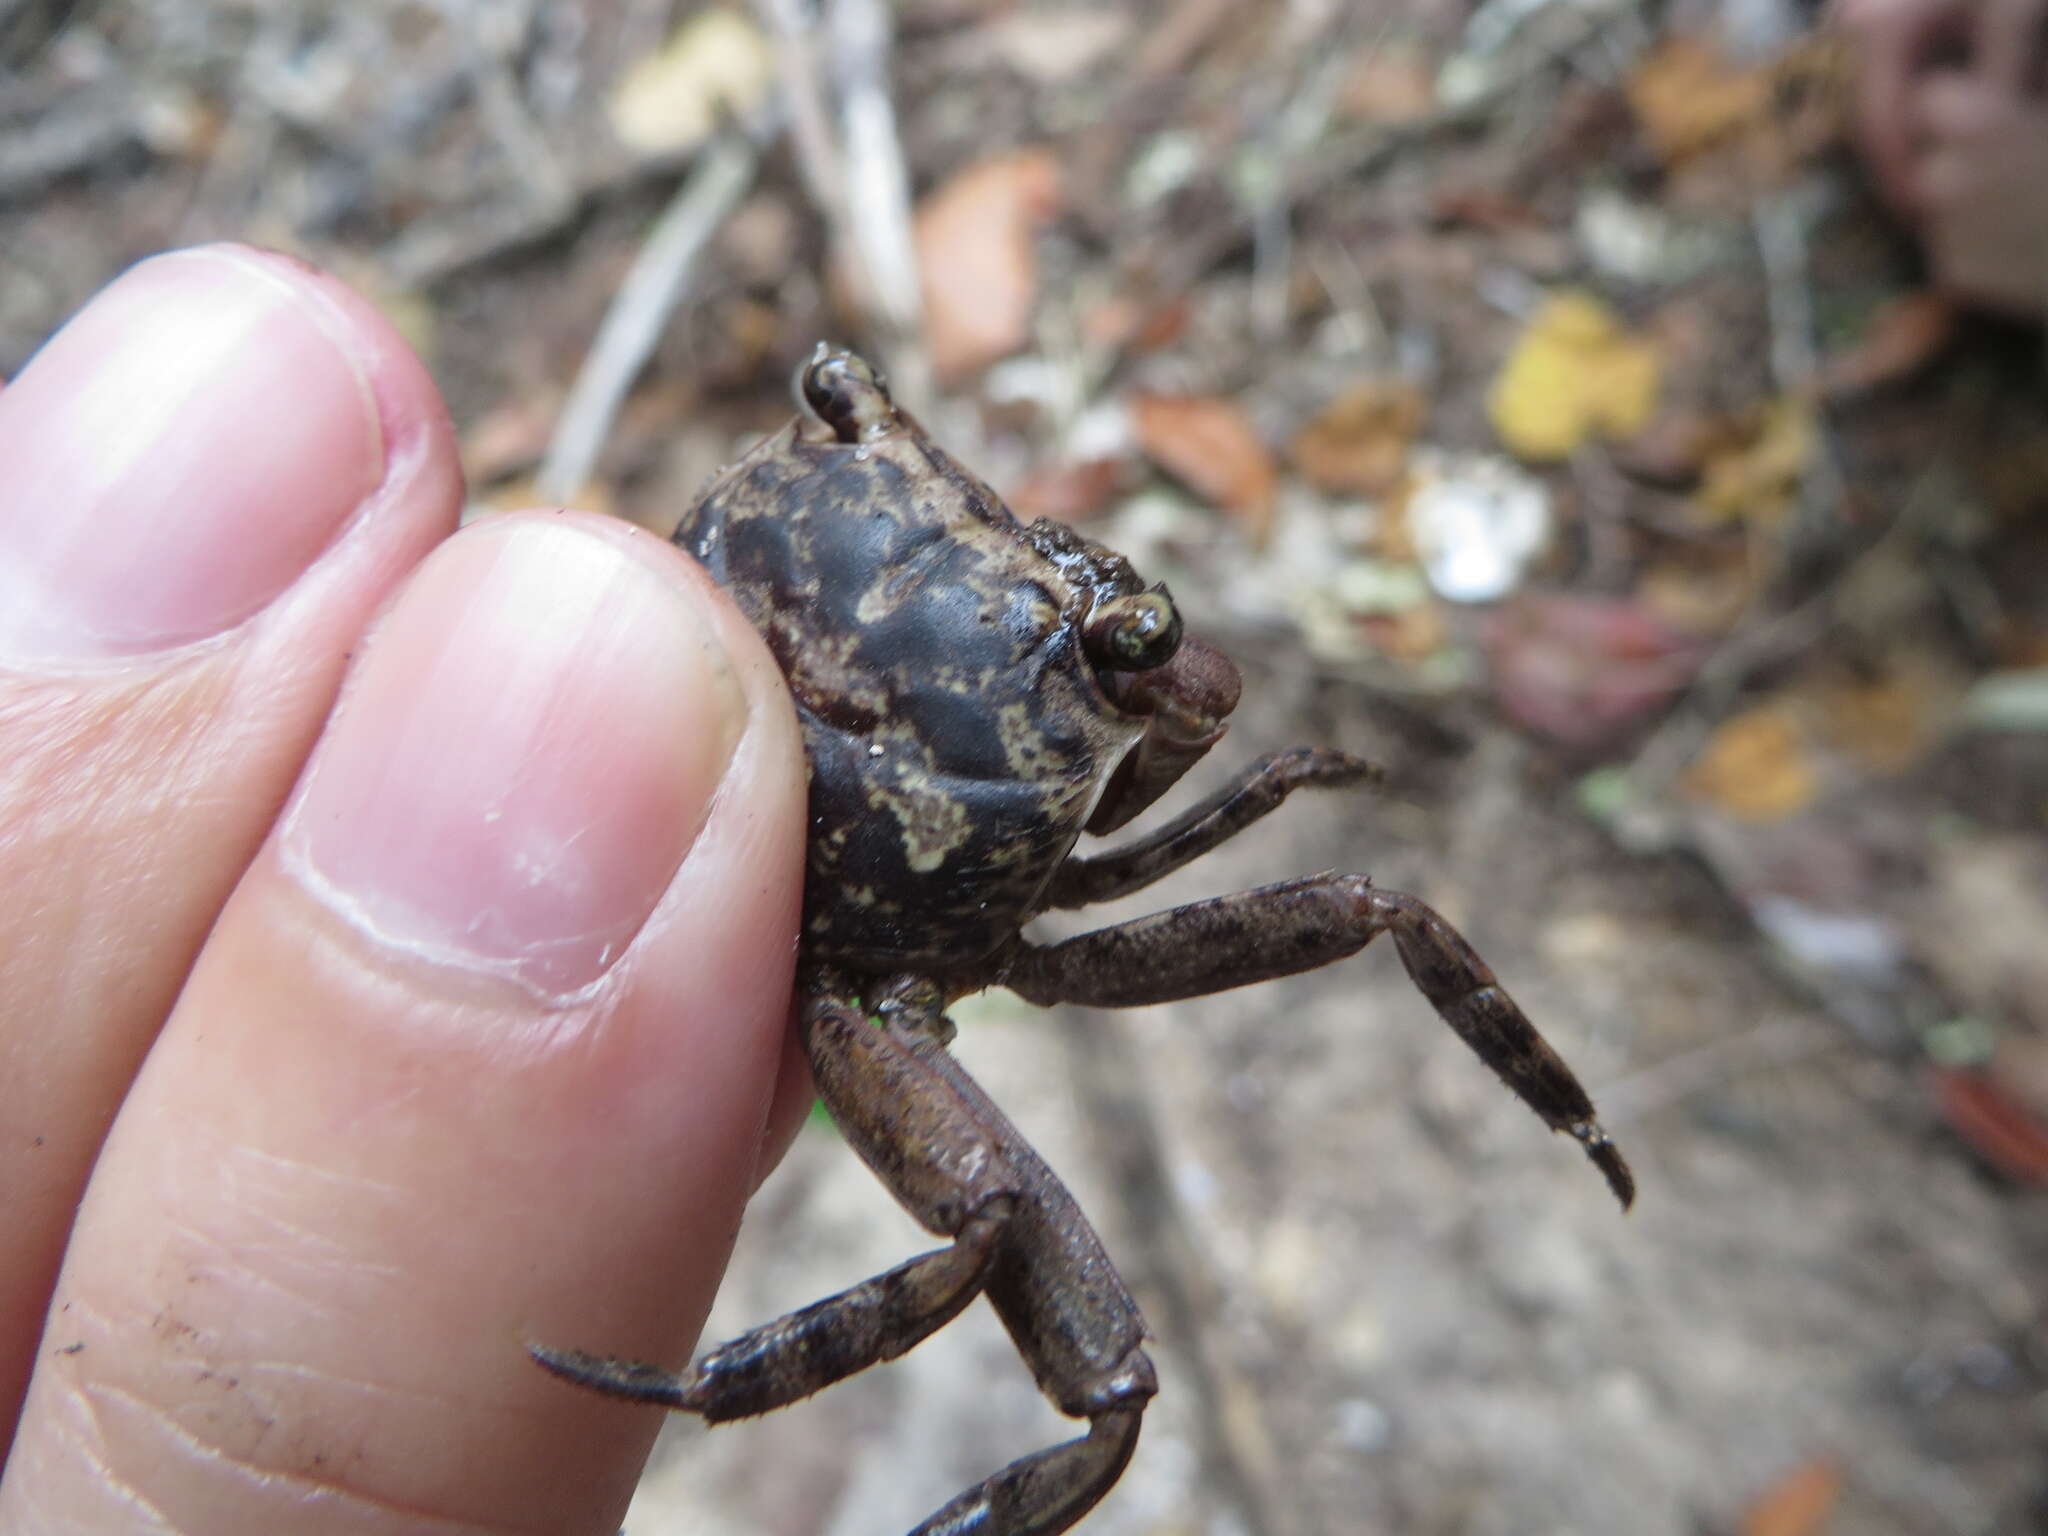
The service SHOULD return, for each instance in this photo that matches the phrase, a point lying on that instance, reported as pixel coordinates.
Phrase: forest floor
(1531, 397)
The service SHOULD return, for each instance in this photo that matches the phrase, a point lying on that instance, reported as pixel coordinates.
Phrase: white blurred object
(1477, 521)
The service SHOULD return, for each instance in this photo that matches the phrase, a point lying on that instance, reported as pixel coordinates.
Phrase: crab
(975, 694)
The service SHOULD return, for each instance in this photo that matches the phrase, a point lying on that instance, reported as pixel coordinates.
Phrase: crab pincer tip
(1607, 1158)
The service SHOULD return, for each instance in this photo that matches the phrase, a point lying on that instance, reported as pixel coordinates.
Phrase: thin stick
(878, 188)
(641, 308)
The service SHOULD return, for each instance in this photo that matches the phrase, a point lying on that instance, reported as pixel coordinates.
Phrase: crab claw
(1185, 703)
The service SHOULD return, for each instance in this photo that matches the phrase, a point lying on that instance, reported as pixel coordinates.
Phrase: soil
(1722, 796)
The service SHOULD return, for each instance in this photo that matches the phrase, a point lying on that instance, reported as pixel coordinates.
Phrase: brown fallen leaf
(1584, 671)
(1210, 444)
(977, 261)
(1689, 97)
(1071, 493)
(1799, 1503)
(1703, 590)
(1997, 1126)
(1889, 721)
(1358, 443)
(1390, 83)
(1756, 766)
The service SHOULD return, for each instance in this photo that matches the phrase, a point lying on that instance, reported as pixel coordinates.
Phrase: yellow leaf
(715, 66)
(1575, 372)
(1758, 480)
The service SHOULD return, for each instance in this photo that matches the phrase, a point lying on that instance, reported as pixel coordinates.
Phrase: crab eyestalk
(843, 398)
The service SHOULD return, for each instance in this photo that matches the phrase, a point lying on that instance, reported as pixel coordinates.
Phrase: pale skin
(1952, 113)
(348, 1052)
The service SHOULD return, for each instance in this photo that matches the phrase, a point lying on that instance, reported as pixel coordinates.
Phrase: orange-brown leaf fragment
(977, 260)
(1756, 766)
(1071, 493)
(1998, 1127)
(1757, 478)
(1689, 98)
(1210, 444)
(1799, 1503)
(1358, 443)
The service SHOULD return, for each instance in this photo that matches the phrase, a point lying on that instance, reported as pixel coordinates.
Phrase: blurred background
(1533, 396)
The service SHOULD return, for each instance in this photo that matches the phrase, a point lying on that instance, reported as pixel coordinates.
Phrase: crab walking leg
(784, 1361)
(1075, 1324)
(923, 1139)
(1256, 790)
(1298, 925)
(1046, 1493)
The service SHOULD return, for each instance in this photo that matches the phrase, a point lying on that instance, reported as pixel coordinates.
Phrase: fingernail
(523, 757)
(174, 457)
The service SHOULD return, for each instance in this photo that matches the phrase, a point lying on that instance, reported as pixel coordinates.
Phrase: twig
(1781, 222)
(1353, 156)
(818, 159)
(878, 190)
(641, 308)
(1775, 1044)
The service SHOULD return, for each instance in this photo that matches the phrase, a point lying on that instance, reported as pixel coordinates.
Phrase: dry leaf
(1389, 84)
(714, 67)
(1358, 443)
(1575, 372)
(1071, 493)
(1702, 591)
(1998, 1127)
(1799, 1503)
(977, 260)
(1889, 721)
(1689, 98)
(1757, 479)
(1211, 445)
(1756, 766)
(1583, 671)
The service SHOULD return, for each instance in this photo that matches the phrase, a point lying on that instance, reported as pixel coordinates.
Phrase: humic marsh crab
(975, 694)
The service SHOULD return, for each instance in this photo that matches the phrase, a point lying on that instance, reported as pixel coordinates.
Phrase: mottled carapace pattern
(958, 734)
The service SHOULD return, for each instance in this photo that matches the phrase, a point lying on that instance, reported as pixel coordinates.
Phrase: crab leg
(946, 1171)
(787, 1360)
(957, 1164)
(1298, 925)
(1045, 1493)
(1258, 789)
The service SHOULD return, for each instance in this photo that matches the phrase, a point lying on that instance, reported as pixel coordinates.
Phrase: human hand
(1952, 114)
(464, 1006)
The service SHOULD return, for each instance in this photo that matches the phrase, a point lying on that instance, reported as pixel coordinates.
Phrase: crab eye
(841, 390)
(1133, 634)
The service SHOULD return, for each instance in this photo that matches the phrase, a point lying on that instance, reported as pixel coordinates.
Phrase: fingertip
(361, 1175)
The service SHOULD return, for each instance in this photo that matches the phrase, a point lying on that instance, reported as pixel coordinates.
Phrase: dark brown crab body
(974, 695)
(957, 732)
